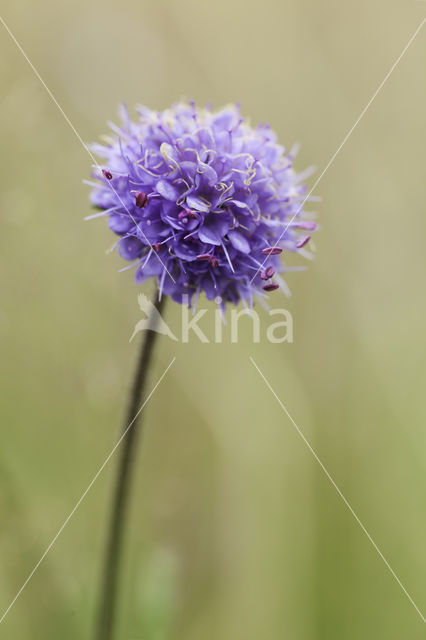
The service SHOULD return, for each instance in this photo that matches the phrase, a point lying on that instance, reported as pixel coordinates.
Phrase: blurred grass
(235, 533)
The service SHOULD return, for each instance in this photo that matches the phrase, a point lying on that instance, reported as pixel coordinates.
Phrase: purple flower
(201, 201)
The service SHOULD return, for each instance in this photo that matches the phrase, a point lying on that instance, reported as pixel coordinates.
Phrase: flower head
(201, 201)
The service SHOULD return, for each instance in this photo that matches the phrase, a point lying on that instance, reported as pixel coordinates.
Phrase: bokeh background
(234, 531)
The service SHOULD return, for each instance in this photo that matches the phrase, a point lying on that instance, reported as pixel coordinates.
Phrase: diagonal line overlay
(79, 138)
(348, 135)
(83, 495)
(330, 478)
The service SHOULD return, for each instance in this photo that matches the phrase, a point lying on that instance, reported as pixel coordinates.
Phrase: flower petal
(120, 222)
(167, 190)
(238, 241)
(130, 248)
(196, 203)
(214, 228)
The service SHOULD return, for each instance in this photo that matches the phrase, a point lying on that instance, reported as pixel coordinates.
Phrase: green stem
(109, 585)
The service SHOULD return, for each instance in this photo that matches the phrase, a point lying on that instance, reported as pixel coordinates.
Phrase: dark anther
(141, 199)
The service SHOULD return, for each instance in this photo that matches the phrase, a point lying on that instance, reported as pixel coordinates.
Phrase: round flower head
(201, 201)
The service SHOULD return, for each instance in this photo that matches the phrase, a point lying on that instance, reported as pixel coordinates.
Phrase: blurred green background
(234, 531)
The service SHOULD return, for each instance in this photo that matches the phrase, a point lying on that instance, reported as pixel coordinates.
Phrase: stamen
(303, 242)
(271, 286)
(268, 273)
(271, 251)
(186, 215)
(214, 262)
(107, 174)
(141, 199)
(309, 225)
